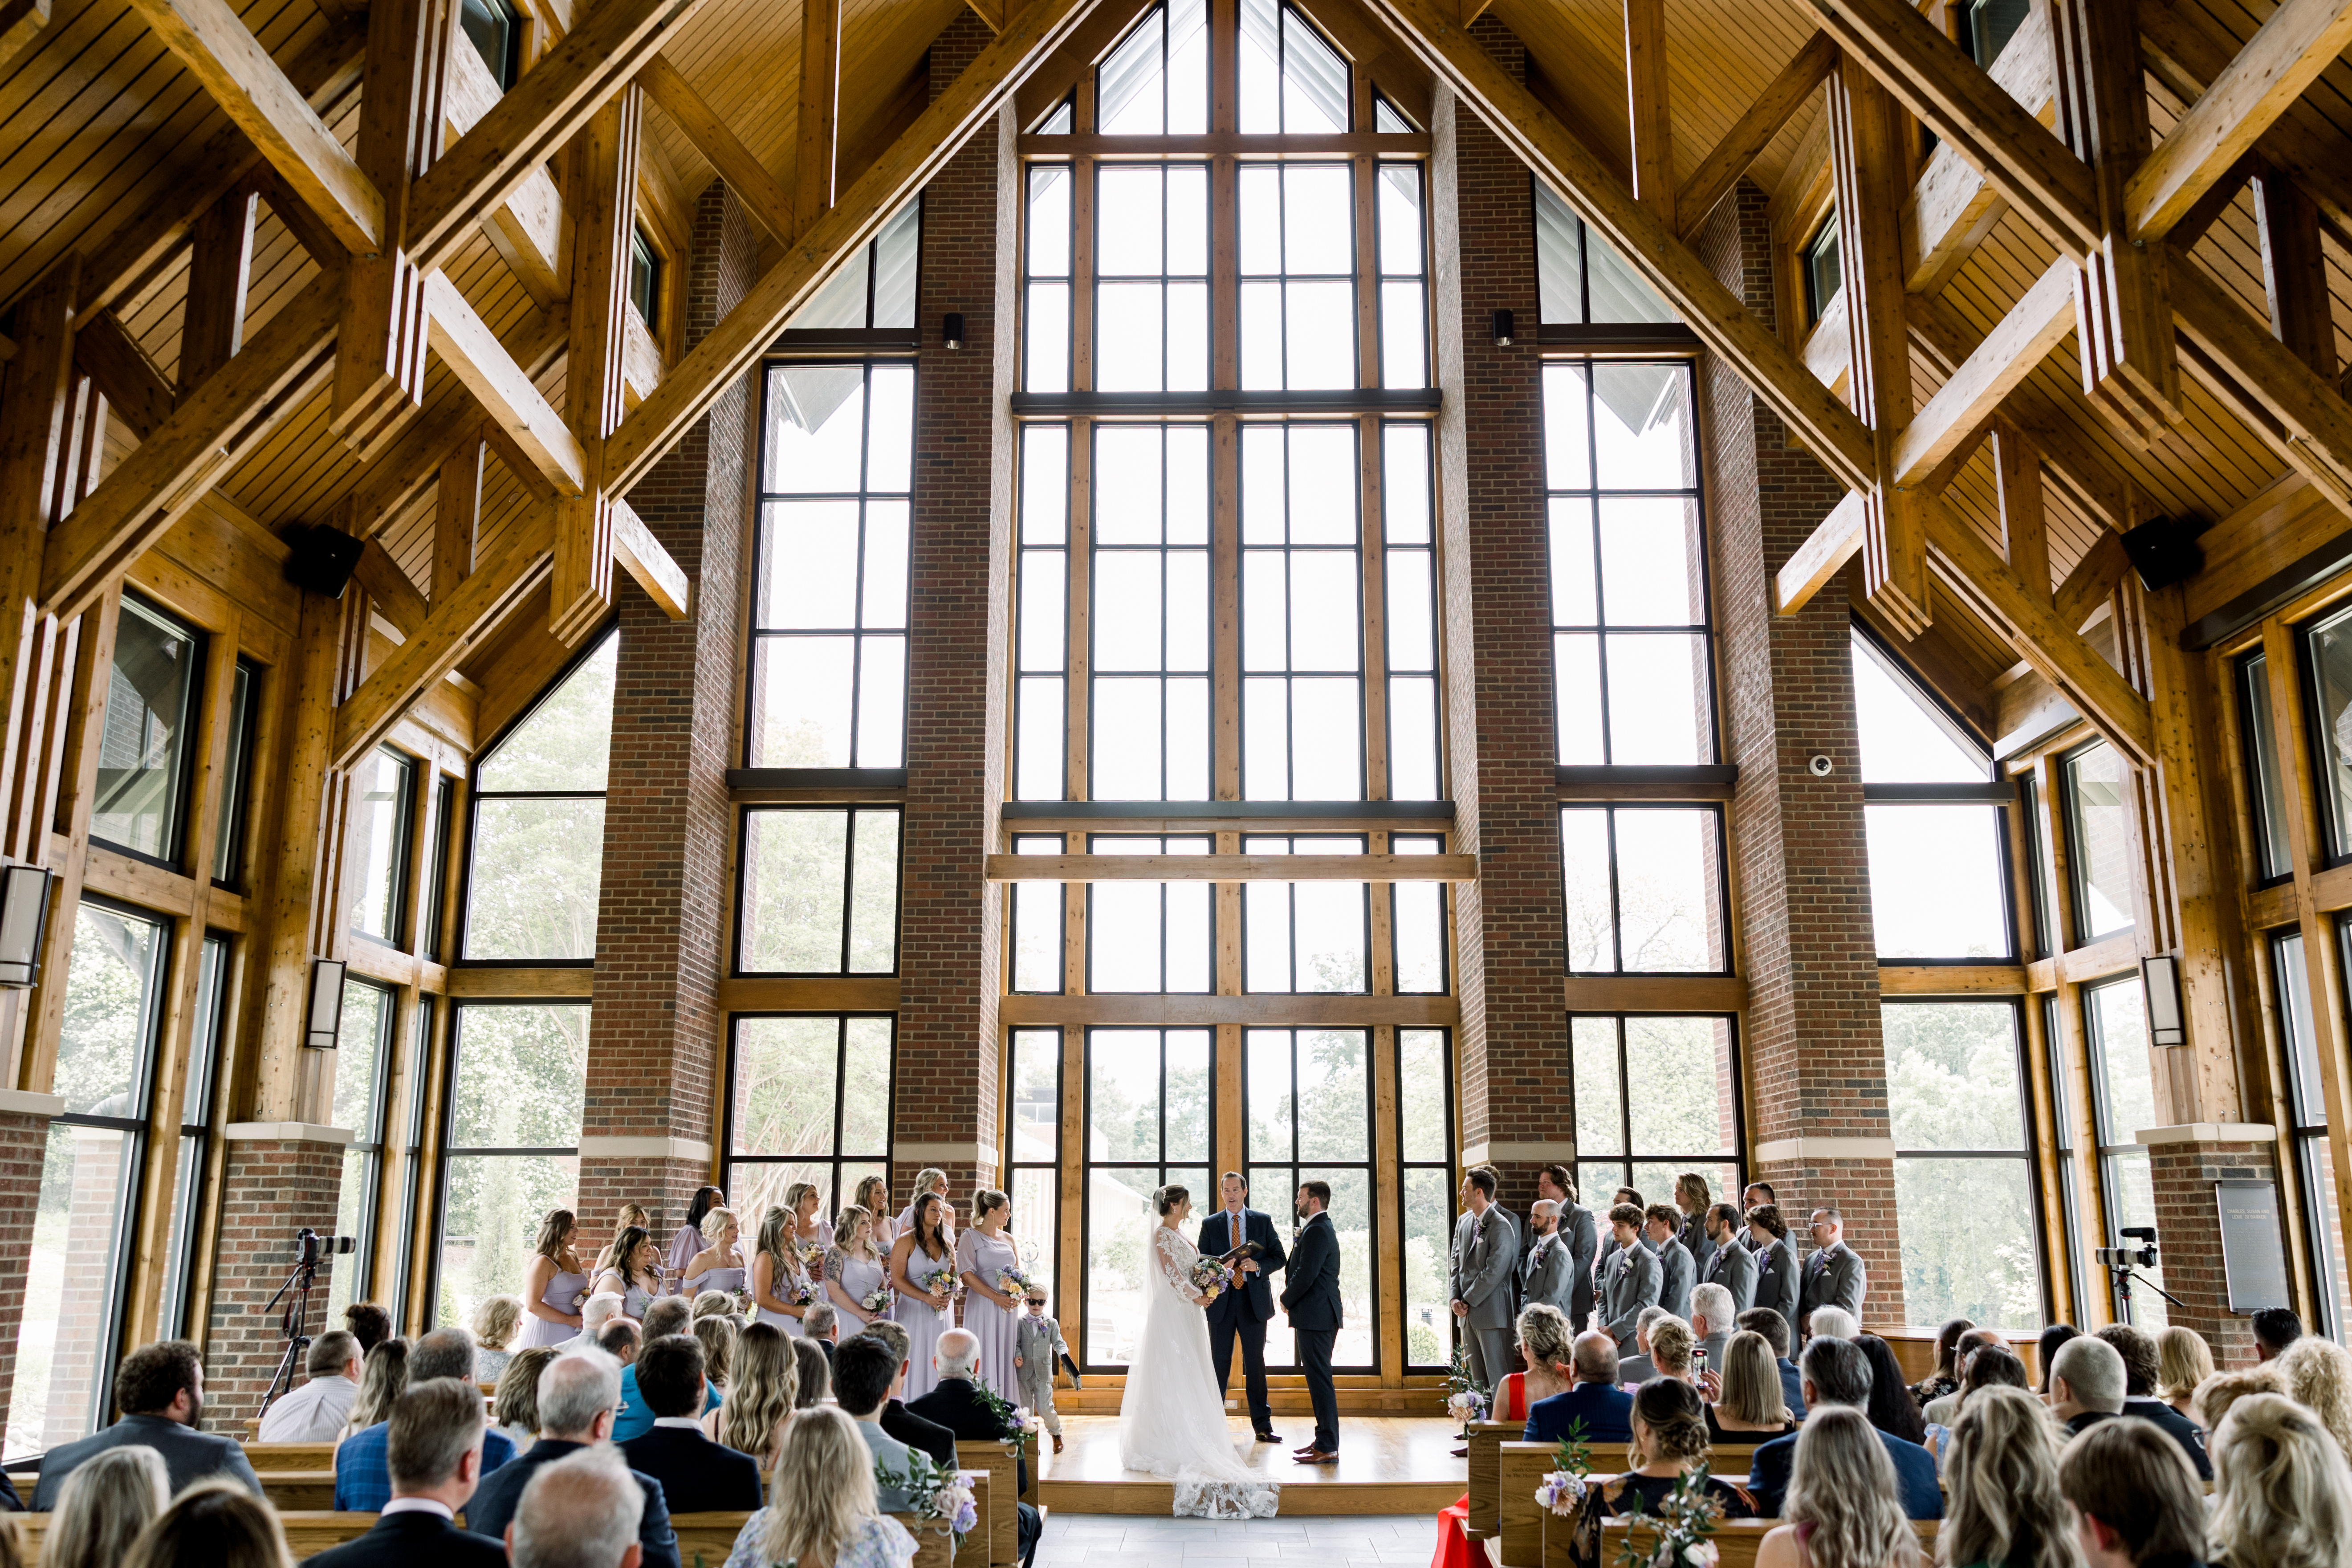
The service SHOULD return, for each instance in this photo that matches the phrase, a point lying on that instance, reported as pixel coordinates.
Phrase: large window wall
(517, 1077)
(808, 1099)
(1657, 1096)
(537, 854)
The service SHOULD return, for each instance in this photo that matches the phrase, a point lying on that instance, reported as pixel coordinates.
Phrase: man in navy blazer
(579, 1395)
(1592, 1398)
(435, 1464)
(1247, 1302)
(1312, 1299)
(697, 1475)
(1836, 1373)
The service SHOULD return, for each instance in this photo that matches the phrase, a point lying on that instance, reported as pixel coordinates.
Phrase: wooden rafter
(21, 22)
(770, 204)
(2302, 417)
(1962, 407)
(1746, 141)
(1649, 106)
(2017, 486)
(817, 113)
(2294, 270)
(473, 352)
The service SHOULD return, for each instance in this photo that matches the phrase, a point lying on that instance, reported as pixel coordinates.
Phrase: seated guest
(160, 1389)
(1946, 1378)
(2141, 1369)
(315, 1413)
(766, 1390)
(1843, 1504)
(1944, 1409)
(665, 1319)
(1669, 1439)
(717, 1336)
(383, 1377)
(2318, 1374)
(369, 1324)
(2003, 1504)
(1637, 1369)
(1711, 1320)
(2135, 1499)
(1751, 1408)
(826, 1507)
(953, 1403)
(917, 1432)
(585, 1510)
(1768, 1322)
(1835, 1322)
(620, 1340)
(2282, 1497)
(1670, 1351)
(596, 1313)
(2275, 1327)
(579, 1395)
(514, 1408)
(697, 1475)
(105, 1503)
(2214, 1396)
(363, 1473)
(213, 1524)
(1989, 1366)
(1837, 1375)
(865, 1371)
(1594, 1398)
(1890, 1408)
(2183, 1359)
(495, 1322)
(816, 1374)
(2046, 1350)
(435, 1455)
(2086, 1383)
(1547, 1347)
(821, 1323)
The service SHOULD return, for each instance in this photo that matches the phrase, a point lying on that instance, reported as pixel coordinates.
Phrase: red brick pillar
(24, 1149)
(949, 921)
(1815, 1064)
(2184, 1164)
(277, 1177)
(654, 1026)
(1512, 1045)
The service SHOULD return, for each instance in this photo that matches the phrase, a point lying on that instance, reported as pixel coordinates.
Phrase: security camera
(1822, 765)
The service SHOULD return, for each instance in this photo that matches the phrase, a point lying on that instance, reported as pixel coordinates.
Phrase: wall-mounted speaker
(321, 559)
(2164, 551)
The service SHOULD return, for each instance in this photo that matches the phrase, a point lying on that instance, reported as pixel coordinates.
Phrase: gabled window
(536, 857)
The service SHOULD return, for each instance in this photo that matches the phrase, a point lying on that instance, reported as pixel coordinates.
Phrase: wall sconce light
(2161, 978)
(324, 1026)
(1502, 328)
(953, 330)
(23, 923)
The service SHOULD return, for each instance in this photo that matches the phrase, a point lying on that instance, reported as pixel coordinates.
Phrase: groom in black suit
(1312, 1299)
(1248, 1300)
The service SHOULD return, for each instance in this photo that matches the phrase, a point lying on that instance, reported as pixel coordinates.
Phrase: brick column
(1815, 1063)
(277, 1177)
(949, 921)
(24, 1150)
(2183, 1164)
(1512, 1045)
(669, 827)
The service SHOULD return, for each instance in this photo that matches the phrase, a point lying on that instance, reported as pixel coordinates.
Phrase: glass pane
(785, 1073)
(1405, 483)
(1123, 1097)
(1643, 434)
(565, 742)
(1036, 1229)
(874, 894)
(1652, 564)
(1188, 1096)
(1559, 260)
(1938, 882)
(1413, 739)
(816, 430)
(2287, 962)
(794, 868)
(2330, 644)
(1130, 87)
(1319, 336)
(1335, 1095)
(2268, 786)
(1400, 220)
(1567, 444)
(1421, 1095)
(801, 688)
(2100, 841)
(1119, 1214)
(228, 834)
(358, 1059)
(808, 570)
(1037, 935)
(2326, 1221)
(898, 250)
(890, 434)
(2131, 1194)
(1048, 364)
(1600, 1094)
(1314, 79)
(881, 702)
(1036, 1095)
(71, 1289)
(537, 866)
(1968, 1230)
(491, 1209)
(114, 1006)
(1038, 759)
(1679, 1086)
(882, 591)
(1428, 1232)
(1619, 294)
(1590, 910)
(1660, 710)
(865, 1086)
(142, 756)
(2118, 1015)
(1418, 919)
(522, 1072)
(355, 1218)
(1669, 890)
(382, 797)
(1905, 739)
(1260, 66)
(1044, 484)
(1952, 1076)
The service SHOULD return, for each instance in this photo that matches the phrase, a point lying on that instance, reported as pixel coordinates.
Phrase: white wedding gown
(1171, 1419)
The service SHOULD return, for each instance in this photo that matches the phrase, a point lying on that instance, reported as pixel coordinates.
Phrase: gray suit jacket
(1678, 1274)
(1551, 1275)
(1694, 1237)
(1484, 1260)
(1734, 1269)
(1632, 1285)
(1578, 1232)
(1833, 1277)
(188, 1456)
(1776, 1283)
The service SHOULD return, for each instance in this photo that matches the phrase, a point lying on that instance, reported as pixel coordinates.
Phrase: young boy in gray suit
(1037, 1350)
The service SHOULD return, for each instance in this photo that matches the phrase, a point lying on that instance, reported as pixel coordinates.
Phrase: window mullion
(1078, 648)
(1368, 269)
(1371, 562)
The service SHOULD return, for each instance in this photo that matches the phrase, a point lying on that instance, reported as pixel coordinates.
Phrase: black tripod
(2124, 1277)
(291, 1323)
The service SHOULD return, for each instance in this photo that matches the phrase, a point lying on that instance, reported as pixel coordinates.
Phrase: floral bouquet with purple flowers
(1208, 1277)
(1012, 1282)
(942, 1280)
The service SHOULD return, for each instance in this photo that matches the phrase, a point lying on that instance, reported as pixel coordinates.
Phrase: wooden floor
(1388, 1465)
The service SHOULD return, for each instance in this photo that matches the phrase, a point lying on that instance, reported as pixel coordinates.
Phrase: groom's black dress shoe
(1267, 1437)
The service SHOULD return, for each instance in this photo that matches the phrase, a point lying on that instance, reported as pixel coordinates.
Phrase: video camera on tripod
(2122, 1260)
(310, 1247)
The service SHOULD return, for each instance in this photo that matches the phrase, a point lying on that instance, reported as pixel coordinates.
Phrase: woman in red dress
(1545, 1344)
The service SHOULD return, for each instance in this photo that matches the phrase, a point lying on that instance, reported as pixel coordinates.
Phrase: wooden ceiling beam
(1746, 141)
(212, 41)
(2294, 270)
(1538, 139)
(1649, 106)
(136, 392)
(764, 196)
(388, 587)
(2302, 417)
(1953, 206)
(817, 115)
(1836, 540)
(220, 269)
(21, 22)
(2017, 489)
(732, 348)
(1974, 391)
(2087, 587)
(473, 353)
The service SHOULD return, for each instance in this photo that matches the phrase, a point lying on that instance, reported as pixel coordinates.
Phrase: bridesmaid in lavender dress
(922, 1270)
(555, 1285)
(993, 1315)
(777, 1274)
(853, 1269)
(873, 1196)
(631, 1269)
(690, 1238)
(720, 1265)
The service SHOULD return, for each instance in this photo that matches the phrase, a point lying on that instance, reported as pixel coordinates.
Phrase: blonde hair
(871, 1183)
(103, 1506)
(496, 1319)
(764, 1384)
(824, 1486)
(2282, 1497)
(792, 1196)
(1544, 1336)
(216, 1523)
(2183, 1359)
(2004, 1503)
(631, 1215)
(382, 1377)
(1751, 1382)
(1843, 1484)
(714, 1223)
(845, 1230)
(926, 1179)
(516, 1402)
(718, 1336)
(774, 1226)
(2210, 1403)
(1670, 1347)
(2320, 1377)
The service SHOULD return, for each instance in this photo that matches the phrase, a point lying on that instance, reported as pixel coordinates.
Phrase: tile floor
(1382, 1540)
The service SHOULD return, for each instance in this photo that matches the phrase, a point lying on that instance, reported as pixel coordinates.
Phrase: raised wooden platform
(1388, 1465)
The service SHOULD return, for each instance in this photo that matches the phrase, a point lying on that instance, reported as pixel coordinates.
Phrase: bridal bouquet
(877, 1301)
(794, 1292)
(812, 1254)
(1012, 1282)
(743, 1303)
(1208, 1276)
(1685, 1520)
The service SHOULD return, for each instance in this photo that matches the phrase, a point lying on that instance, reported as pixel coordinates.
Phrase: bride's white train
(1171, 1419)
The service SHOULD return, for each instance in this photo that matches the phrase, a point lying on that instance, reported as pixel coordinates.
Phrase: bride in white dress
(1171, 1419)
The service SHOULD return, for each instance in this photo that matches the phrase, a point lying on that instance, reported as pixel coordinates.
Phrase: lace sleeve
(1168, 1250)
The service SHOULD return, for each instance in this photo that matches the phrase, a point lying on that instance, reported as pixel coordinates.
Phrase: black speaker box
(2165, 551)
(322, 558)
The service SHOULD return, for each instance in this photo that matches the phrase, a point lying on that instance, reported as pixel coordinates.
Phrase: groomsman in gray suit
(1546, 1268)
(1577, 1233)
(1678, 1271)
(1756, 1195)
(1631, 1282)
(1485, 1254)
(1776, 1264)
(1731, 1265)
(1834, 1275)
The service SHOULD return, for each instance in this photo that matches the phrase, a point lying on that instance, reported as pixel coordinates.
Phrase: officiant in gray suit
(1485, 1254)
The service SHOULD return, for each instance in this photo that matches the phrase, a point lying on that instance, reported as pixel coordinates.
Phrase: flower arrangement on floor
(1685, 1520)
(1208, 1277)
(1466, 1398)
(933, 1492)
(1564, 1486)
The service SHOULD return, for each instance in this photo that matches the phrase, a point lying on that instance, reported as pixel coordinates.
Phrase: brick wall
(950, 921)
(669, 831)
(1816, 1066)
(2188, 1236)
(24, 1148)
(270, 1188)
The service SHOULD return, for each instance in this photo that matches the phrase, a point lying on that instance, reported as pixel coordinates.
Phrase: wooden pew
(1520, 1469)
(302, 1492)
(934, 1547)
(290, 1456)
(707, 1537)
(1029, 1454)
(1486, 1495)
(999, 1516)
(1736, 1540)
(308, 1531)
